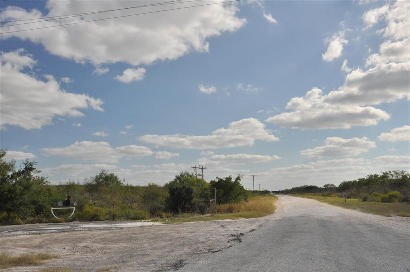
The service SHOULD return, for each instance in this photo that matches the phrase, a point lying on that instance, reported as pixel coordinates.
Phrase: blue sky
(294, 92)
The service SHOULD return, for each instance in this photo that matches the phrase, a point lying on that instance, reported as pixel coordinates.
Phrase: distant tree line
(389, 186)
(26, 197)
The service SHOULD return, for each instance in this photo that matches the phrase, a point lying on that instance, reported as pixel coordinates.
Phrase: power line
(49, 18)
(253, 182)
(202, 168)
(118, 17)
(195, 170)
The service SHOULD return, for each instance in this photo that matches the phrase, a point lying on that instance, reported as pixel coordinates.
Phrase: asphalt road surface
(306, 235)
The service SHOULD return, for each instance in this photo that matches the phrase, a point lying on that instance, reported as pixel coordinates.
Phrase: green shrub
(137, 215)
(229, 190)
(154, 199)
(187, 193)
(3, 216)
(375, 197)
(326, 194)
(364, 197)
(91, 213)
(385, 199)
(165, 215)
(125, 212)
(391, 197)
(114, 213)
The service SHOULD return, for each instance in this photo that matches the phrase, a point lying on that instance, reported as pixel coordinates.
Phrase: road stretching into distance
(312, 236)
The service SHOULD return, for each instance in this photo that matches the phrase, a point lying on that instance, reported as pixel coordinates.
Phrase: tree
(22, 192)
(105, 179)
(153, 199)
(228, 190)
(330, 187)
(107, 187)
(188, 194)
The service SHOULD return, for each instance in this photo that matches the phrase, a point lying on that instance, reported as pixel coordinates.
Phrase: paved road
(311, 236)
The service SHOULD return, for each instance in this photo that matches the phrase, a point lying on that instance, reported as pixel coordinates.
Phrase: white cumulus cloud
(206, 89)
(248, 88)
(233, 159)
(270, 18)
(399, 134)
(30, 102)
(206, 153)
(345, 68)
(66, 80)
(130, 75)
(101, 152)
(372, 16)
(313, 112)
(380, 84)
(239, 133)
(386, 79)
(100, 134)
(101, 70)
(394, 162)
(19, 155)
(133, 39)
(165, 155)
(336, 147)
(335, 47)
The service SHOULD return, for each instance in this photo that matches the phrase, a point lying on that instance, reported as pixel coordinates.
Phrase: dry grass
(386, 209)
(57, 269)
(66, 269)
(256, 206)
(7, 261)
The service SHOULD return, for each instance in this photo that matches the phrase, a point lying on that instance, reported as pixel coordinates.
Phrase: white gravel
(133, 246)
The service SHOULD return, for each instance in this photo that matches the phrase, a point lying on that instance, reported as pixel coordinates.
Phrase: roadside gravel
(124, 246)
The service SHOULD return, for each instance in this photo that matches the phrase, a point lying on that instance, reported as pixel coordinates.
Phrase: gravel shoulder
(124, 246)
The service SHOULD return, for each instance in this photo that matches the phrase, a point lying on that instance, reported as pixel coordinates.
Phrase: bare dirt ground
(123, 246)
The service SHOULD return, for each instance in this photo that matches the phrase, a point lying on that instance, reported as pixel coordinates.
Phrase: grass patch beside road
(256, 206)
(66, 269)
(386, 209)
(7, 261)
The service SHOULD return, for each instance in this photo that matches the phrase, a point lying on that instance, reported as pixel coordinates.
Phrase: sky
(293, 92)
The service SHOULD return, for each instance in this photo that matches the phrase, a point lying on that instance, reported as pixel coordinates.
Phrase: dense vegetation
(228, 190)
(26, 197)
(388, 187)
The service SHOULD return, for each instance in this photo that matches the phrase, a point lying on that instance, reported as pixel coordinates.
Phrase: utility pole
(215, 196)
(201, 167)
(195, 170)
(253, 182)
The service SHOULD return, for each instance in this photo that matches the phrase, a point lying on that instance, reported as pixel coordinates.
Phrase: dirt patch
(142, 248)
